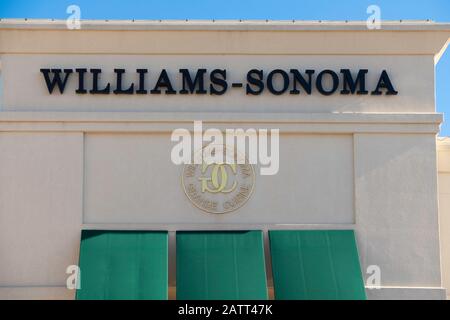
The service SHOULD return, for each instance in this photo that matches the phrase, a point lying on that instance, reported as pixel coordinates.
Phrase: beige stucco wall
(357, 162)
(444, 208)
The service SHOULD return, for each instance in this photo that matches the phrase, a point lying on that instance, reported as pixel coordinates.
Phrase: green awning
(316, 264)
(123, 265)
(221, 265)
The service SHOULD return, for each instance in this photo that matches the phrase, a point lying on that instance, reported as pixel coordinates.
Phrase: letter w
(56, 79)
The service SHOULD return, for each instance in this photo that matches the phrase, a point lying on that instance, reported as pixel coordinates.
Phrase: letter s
(255, 81)
(219, 81)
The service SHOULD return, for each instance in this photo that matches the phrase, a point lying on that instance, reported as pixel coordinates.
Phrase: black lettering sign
(199, 81)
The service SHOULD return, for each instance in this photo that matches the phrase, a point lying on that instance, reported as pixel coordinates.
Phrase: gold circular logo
(218, 187)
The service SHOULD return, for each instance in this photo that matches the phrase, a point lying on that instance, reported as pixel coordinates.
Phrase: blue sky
(437, 10)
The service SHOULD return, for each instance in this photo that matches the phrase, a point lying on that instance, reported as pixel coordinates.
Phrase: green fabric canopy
(316, 264)
(123, 265)
(221, 265)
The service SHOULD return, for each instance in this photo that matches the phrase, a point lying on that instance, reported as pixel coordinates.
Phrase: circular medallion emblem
(218, 187)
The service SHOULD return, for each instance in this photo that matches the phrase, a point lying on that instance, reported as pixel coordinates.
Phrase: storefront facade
(357, 143)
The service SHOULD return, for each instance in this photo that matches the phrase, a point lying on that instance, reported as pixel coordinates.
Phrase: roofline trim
(226, 25)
